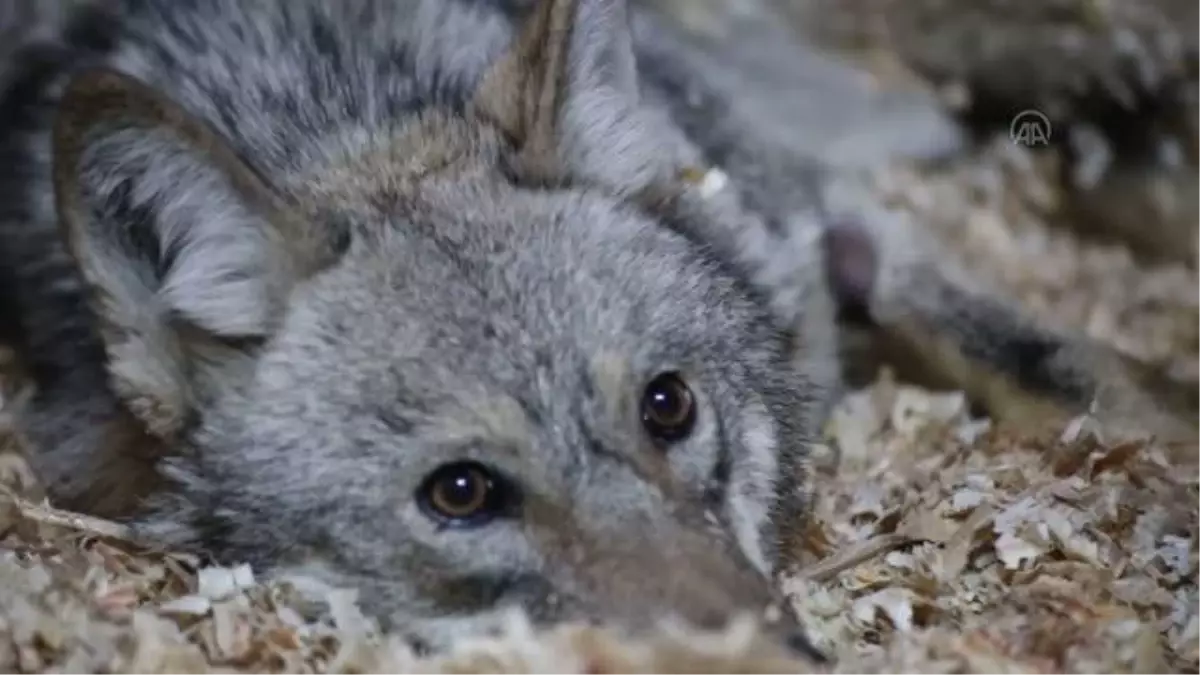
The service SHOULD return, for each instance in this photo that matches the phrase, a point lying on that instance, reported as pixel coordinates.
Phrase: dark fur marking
(993, 335)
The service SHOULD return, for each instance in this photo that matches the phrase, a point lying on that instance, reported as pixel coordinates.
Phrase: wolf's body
(334, 246)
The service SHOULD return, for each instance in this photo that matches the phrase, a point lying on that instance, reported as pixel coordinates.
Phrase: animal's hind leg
(941, 331)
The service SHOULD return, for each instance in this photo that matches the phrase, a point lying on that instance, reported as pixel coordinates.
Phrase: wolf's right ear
(188, 253)
(567, 93)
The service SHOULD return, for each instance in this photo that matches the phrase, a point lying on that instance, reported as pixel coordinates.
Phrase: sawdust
(996, 210)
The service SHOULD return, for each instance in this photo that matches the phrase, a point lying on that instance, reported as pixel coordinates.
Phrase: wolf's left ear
(567, 93)
(188, 252)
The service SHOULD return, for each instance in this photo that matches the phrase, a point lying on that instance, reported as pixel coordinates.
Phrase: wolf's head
(483, 357)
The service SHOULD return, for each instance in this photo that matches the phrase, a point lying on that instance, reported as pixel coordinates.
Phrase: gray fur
(316, 276)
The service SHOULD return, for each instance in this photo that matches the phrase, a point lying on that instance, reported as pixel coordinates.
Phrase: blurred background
(1092, 224)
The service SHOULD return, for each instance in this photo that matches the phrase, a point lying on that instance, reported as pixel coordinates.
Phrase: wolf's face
(482, 360)
(533, 397)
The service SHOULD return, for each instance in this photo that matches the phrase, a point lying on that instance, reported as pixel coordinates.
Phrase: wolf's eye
(668, 408)
(464, 493)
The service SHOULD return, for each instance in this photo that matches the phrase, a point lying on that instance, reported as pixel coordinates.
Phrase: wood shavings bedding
(995, 210)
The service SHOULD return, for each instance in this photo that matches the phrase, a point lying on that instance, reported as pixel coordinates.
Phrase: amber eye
(668, 408)
(464, 493)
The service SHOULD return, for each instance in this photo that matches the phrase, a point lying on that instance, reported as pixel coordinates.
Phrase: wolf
(429, 299)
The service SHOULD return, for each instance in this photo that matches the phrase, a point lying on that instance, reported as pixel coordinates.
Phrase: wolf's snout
(702, 581)
(753, 596)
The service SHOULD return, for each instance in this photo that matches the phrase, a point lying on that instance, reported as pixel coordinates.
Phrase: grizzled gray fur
(423, 298)
(334, 246)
